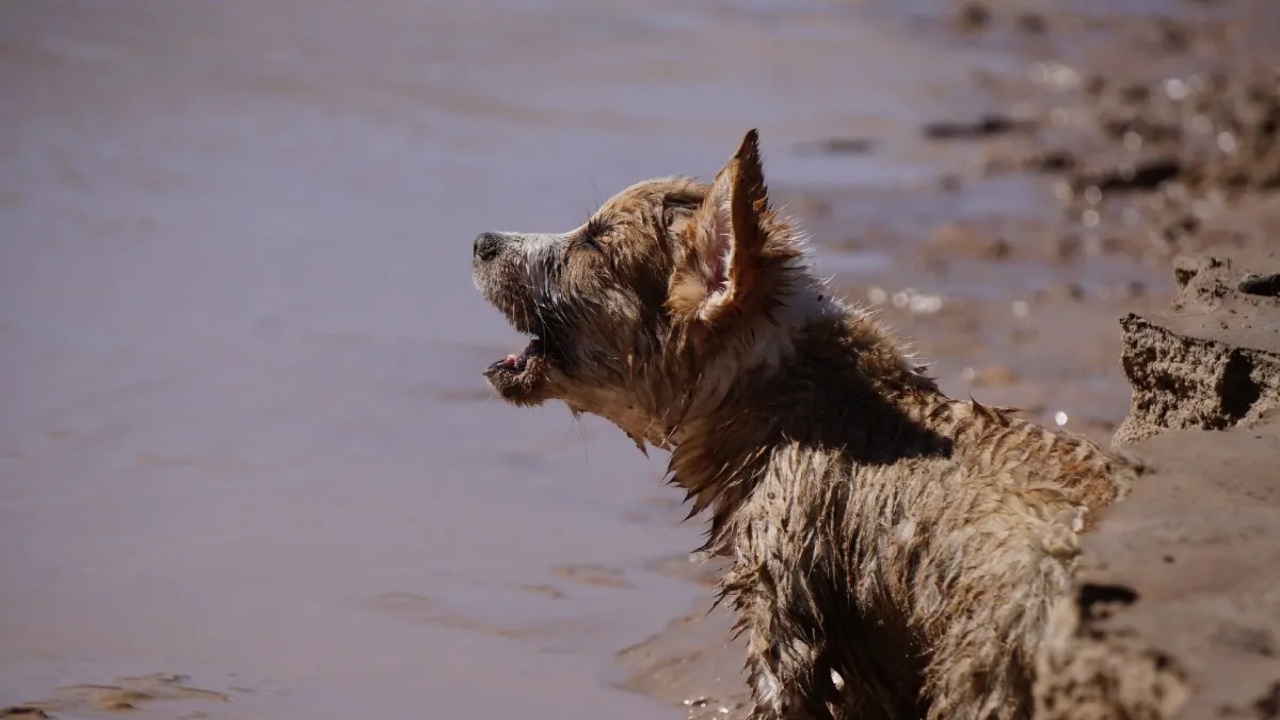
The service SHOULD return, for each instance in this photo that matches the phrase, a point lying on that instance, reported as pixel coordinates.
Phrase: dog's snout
(488, 245)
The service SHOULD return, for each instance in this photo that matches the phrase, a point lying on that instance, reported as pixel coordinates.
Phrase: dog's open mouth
(518, 363)
(522, 379)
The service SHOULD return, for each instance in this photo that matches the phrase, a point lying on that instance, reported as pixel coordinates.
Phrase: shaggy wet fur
(894, 553)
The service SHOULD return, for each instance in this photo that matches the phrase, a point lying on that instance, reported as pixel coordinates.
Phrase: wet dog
(893, 553)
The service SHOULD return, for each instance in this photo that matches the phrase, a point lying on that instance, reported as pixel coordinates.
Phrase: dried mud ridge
(128, 695)
(1213, 360)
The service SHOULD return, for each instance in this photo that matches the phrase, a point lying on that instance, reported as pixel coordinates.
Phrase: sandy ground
(248, 467)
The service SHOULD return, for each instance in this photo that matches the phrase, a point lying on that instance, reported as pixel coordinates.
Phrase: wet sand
(248, 466)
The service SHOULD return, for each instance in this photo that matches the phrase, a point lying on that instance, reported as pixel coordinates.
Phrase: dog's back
(894, 551)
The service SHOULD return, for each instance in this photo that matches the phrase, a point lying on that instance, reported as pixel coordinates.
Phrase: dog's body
(894, 553)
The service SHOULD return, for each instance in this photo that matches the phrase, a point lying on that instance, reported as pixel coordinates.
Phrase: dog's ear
(725, 264)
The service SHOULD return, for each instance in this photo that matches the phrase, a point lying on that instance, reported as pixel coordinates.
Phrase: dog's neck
(836, 376)
(774, 351)
(813, 341)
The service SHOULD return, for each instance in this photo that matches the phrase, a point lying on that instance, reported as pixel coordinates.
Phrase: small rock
(986, 126)
(973, 16)
(1264, 285)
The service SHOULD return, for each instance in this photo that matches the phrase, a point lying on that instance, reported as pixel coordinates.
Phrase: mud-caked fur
(893, 552)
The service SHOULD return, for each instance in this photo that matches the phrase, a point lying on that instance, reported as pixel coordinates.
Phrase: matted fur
(894, 553)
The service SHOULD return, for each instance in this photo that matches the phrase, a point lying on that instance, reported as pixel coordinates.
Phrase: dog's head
(671, 290)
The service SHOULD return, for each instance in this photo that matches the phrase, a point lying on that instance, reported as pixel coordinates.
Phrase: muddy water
(243, 433)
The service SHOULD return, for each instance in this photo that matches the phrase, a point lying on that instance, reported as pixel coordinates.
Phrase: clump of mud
(1213, 360)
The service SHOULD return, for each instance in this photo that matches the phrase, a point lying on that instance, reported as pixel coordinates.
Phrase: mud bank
(1175, 613)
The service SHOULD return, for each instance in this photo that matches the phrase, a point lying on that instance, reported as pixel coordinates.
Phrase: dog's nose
(488, 245)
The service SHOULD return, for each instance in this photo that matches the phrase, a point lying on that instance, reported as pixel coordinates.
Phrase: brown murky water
(243, 432)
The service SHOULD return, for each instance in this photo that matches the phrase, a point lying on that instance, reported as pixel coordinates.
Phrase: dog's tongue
(510, 361)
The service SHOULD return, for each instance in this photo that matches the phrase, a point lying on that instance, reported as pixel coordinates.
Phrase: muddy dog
(893, 553)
